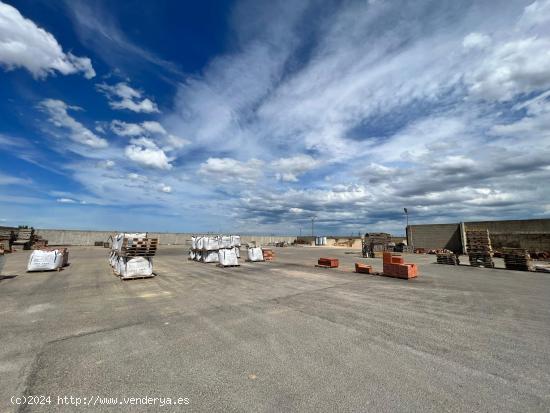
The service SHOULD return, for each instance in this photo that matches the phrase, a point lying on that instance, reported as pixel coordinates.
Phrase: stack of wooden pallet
(24, 237)
(6, 238)
(517, 259)
(480, 252)
(448, 258)
(139, 247)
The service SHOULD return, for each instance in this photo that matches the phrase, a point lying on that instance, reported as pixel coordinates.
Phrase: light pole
(408, 231)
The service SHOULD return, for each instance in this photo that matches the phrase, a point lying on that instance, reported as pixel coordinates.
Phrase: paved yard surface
(280, 336)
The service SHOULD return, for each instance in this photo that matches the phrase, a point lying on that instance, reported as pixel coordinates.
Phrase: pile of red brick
(268, 254)
(395, 266)
(328, 262)
(363, 268)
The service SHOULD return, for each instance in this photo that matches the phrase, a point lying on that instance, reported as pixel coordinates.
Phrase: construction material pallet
(324, 266)
(447, 259)
(227, 266)
(138, 247)
(517, 259)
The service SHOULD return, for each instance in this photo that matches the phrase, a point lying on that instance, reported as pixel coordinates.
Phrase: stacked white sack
(41, 260)
(255, 254)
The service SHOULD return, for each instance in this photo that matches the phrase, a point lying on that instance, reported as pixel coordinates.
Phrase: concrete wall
(531, 234)
(74, 237)
(434, 236)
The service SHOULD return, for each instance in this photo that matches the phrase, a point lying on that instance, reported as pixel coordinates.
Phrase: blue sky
(254, 116)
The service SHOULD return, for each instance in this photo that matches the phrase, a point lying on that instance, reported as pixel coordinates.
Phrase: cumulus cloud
(122, 96)
(145, 152)
(24, 44)
(57, 111)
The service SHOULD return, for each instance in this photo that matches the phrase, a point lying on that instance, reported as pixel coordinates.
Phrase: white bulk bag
(235, 240)
(237, 252)
(193, 243)
(191, 254)
(210, 256)
(226, 241)
(199, 243)
(211, 244)
(45, 260)
(255, 254)
(227, 256)
(135, 267)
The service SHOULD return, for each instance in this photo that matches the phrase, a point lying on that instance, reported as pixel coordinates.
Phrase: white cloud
(153, 127)
(13, 180)
(167, 189)
(122, 96)
(288, 169)
(145, 152)
(126, 129)
(24, 44)
(66, 201)
(476, 41)
(512, 68)
(58, 116)
(229, 170)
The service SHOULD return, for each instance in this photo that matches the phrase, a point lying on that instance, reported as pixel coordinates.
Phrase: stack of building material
(375, 242)
(24, 237)
(328, 263)
(39, 243)
(448, 258)
(223, 249)
(2, 259)
(132, 255)
(48, 259)
(7, 236)
(363, 268)
(517, 259)
(395, 266)
(480, 252)
(268, 254)
(255, 254)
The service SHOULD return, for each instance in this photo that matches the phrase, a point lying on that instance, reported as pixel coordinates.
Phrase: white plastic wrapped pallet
(45, 260)
(227, 256)
(211, 244)
(255, 254)
(134, 267)
(210, 256)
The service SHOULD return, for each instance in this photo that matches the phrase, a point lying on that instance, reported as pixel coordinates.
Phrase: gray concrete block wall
(531, 234)
(75, 237)
(435, 236)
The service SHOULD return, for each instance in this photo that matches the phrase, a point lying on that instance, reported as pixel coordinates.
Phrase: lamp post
(407, 230)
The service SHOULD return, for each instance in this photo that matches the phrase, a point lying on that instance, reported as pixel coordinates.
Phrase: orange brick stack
(363, 268)
(395, 266)
(328, 262)
(268, 253)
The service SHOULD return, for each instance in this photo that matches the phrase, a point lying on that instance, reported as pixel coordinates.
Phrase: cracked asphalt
(279, 336)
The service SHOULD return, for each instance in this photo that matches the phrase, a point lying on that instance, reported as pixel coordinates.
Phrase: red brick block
(328, 262)
(363, 268)
(386, 258)
(397, 259)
